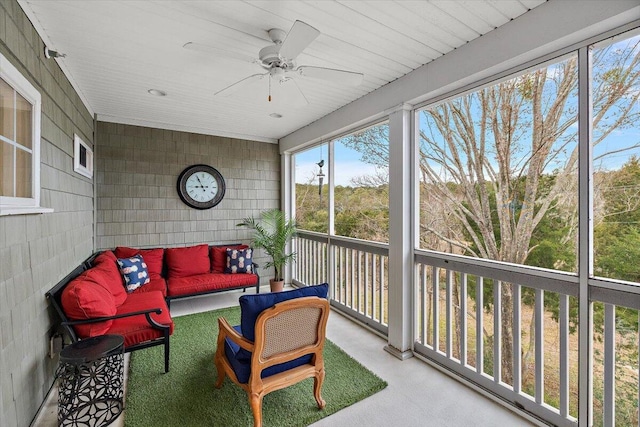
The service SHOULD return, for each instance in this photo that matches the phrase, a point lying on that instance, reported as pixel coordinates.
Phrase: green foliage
(617, 238)
(619, 257)
(311, 209)
(360, 212)
(273, 234)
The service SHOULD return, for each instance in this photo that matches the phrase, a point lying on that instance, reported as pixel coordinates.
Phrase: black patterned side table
(91, 375)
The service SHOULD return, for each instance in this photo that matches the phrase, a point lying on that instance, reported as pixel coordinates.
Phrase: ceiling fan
(278, 62)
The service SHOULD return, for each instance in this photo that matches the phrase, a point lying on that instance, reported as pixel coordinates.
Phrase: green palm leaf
(272, 233)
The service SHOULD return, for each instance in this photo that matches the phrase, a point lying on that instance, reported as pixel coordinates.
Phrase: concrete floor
(417, 394)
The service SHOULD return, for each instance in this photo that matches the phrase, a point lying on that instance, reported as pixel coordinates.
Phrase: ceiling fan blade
(339, 76)
(289, 92)
(218, 52)
(299, 37)
(230, 90)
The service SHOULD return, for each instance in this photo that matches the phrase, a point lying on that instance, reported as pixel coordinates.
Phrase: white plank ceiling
(117, 50)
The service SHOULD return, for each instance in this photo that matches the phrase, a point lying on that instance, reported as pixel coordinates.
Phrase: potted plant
(272, 233)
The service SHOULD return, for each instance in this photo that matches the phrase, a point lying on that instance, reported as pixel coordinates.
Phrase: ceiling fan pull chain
(269, 88)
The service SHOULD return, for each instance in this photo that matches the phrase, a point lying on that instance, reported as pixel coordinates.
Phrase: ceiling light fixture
(275, 115)
(157, 92)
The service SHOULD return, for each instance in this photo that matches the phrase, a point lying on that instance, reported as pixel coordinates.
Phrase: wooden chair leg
(317, 389)
(220, 368)
(255, 401)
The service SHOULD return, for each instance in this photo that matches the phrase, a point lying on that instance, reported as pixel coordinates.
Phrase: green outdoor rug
(186, 396)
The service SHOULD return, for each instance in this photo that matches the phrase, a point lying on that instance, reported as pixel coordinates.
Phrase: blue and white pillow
(135, 273)
(239, 261)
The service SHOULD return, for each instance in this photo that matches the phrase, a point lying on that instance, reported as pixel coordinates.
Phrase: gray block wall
(36, 251)
(138, 204)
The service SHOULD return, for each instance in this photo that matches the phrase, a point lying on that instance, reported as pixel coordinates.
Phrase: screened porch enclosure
(492, 232)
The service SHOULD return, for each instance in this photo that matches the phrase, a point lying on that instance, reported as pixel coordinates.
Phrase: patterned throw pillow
(239, 261)
(134, 271)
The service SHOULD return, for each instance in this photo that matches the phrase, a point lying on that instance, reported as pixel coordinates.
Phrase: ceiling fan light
(277, 35)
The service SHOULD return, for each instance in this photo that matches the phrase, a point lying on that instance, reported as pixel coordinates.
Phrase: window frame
(78, 167)
(329, 140)
(24, 205)
(475, 87)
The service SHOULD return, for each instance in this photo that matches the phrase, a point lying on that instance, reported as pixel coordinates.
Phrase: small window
(82, 157)
(20, 106)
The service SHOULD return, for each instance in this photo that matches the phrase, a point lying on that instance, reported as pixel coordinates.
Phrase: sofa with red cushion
(203, 269)
(96, 298)
(92, 300)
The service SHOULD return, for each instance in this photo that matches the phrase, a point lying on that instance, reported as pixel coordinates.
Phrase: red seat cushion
(136, 329)
(208, 282)
(156, 283)
(84, 298)
(218, 256)
(189, 261)
(152, 257)
(106, 272)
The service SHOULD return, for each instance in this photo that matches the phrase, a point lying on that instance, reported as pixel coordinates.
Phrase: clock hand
(198, 178)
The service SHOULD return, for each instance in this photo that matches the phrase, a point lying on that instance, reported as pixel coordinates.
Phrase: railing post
(400, 250)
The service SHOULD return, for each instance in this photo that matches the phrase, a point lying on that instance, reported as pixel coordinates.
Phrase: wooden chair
(289, 339)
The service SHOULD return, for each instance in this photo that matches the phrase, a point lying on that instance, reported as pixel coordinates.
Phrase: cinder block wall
(138, 204)
(36, 251)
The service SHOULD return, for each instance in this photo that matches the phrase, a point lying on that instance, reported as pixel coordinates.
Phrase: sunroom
(464, 175)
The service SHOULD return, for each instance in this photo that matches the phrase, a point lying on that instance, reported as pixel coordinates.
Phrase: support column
(287, 186)
(400, 250)
(287, 203)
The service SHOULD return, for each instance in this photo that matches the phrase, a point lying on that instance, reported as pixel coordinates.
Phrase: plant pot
(276, 285)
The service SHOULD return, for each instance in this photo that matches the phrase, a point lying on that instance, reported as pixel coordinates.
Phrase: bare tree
(484, 157)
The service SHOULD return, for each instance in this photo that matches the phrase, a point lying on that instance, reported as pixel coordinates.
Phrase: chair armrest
(226, 330)
(146, 313)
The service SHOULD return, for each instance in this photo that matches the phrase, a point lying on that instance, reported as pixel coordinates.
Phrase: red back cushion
(219, 257)
(152, 257)
(82, 299)
(189, 261)
(104, 256)
(105, 272)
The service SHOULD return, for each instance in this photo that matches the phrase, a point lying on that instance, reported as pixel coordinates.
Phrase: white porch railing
(458, 329)
(356, 271)
(460, 309)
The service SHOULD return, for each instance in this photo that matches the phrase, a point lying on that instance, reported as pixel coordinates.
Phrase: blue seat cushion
(242, 368)
(252, 305)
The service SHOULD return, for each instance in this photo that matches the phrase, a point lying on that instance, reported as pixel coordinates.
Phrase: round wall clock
(201, 186)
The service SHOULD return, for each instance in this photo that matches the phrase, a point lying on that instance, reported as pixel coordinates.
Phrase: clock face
(201, 186)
